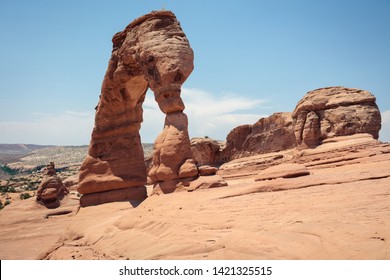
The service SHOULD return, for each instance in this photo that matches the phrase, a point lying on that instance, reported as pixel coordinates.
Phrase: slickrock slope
(341, 210)
(28, 228)
(152, 52)
(312, 184)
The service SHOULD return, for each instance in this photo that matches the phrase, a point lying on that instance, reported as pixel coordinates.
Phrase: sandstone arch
(152, 52)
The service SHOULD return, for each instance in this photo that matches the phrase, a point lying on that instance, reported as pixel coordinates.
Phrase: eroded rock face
(152, 52)
(235, 141)
(206, 151)
(335, 111)
(321, 114)
(271, 134)
(51, 190)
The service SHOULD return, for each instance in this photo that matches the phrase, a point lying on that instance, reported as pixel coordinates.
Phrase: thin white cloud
(384, 133)
(62, 129)
(42, 114)
(78, 114)
(208, 114)
(214, 115)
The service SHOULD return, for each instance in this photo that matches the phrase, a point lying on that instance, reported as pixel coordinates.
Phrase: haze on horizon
(252, 58)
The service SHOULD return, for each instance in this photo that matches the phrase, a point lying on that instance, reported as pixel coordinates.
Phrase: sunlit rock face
(151, 52)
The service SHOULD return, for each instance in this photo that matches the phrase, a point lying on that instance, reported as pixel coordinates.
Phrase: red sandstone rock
(135, 194)
(286, 170)
(206, 170)
(271, 134)
(172, 157)
(152, 52)
(335, 111)
(321, 114)
(207, 182)
(234, 142)
(206, 151)
(51, 190)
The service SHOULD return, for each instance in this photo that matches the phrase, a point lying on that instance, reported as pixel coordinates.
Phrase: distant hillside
(22, 158)
(17, 149)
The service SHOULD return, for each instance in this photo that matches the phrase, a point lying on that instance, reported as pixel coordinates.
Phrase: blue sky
(252, 58)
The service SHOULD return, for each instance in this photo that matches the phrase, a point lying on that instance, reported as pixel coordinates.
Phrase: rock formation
(321, 114)
(152, 52)
(51, 190)
(235, 141)
(271, 134)
(206, 151)
(335, 111)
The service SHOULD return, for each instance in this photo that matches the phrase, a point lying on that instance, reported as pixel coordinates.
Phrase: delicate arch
(152, 52)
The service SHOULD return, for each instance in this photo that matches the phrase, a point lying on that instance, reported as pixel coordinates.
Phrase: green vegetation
(6, 189)
(8, 170)
(24, 196)
(7, 202)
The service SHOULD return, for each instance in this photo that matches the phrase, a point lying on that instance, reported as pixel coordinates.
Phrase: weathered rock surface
(349, 181)
(172, 157)
(135, 194)
(206, 151)
(270, 134)
(152, 52)
(319, 115)
(235, 141)
(337, 190)
(286, 170)
(51, 190)
(207, 182)
(335, 111)
(207, 170)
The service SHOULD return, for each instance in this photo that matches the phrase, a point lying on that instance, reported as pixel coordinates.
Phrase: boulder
(206, 150)
(335, 111)
(206, 170)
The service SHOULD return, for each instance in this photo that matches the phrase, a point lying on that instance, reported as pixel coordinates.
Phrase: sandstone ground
(340, 211)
